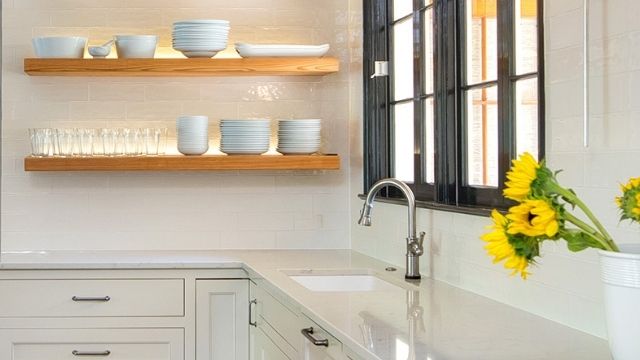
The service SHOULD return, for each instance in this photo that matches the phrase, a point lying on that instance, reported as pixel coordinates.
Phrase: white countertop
(434, 320)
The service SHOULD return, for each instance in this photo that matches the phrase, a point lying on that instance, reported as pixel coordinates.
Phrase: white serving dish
(63, 47)
(136, 46)
(273, 50)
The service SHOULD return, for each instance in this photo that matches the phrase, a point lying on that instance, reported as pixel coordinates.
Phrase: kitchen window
(461, 98)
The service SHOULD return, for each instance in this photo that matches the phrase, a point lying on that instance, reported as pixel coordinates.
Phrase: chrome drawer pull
(251, 303)
(308, 333)
(91, 353)
(80, 298)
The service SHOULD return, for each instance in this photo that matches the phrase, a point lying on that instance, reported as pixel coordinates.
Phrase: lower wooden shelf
(184, 163)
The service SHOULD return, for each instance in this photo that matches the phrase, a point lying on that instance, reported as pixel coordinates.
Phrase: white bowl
(136, 46)
(71, 47)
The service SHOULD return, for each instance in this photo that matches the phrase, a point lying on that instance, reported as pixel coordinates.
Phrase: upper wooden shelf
(182, 67)
(184, 163)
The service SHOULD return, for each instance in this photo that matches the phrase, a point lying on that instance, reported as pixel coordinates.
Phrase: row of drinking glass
(98, 142)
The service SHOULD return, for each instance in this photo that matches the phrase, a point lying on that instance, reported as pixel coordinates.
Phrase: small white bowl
(136, 46)
(64, 47)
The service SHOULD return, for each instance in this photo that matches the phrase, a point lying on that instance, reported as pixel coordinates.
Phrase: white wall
(171, 210)
(565, 287)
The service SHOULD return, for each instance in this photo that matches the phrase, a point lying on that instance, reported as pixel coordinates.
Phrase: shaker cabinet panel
(222, 319)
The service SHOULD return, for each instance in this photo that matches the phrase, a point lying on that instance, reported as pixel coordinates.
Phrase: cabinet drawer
(112, 344)
(88, 298)
(272, 311)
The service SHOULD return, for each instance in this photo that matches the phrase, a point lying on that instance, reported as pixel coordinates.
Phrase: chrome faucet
(414, 243)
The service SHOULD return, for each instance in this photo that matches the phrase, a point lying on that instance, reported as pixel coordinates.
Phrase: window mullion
(506, 88)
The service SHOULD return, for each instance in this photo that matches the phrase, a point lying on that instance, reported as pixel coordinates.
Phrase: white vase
(621, 278)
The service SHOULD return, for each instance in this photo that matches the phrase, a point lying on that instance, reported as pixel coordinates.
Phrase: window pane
(527, 116)
(402, 8)
(430, 148)
(526, 33)
(482, 52)
(403, 141)
(482, 136)
(428, 51)
(403, 59)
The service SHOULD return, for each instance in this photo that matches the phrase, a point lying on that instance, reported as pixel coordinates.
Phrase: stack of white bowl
(299, 136)
(245, 136)
(193, 134)
(200, 38)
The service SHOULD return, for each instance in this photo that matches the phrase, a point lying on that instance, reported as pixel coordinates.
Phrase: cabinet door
(262, 348)
(222, 318)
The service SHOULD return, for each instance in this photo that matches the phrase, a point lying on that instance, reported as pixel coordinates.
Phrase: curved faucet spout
(414, 244)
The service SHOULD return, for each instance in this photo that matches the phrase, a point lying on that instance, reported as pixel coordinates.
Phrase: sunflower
(629, 202)
(521, 176)
(500, 246)
(533, 218)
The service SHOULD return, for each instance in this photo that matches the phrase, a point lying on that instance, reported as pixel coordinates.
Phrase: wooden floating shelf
(184, 163)
(301, 66)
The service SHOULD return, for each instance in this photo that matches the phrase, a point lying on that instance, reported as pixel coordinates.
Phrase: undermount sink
(340, 281)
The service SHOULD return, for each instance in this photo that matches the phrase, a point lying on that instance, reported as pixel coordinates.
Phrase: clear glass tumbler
(131, 141)
(41, 142)
(67, 142)
(109, 141)
(162, 143)
(151, 140)
(85, 138)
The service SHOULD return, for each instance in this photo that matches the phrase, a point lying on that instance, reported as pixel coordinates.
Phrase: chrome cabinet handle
(91, 353)
(308, 333)
(100, 298)
(251, 303)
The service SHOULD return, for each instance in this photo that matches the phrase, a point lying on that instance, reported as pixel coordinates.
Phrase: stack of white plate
(200, 38)
(299, 136)
(245, 136)
(193, 134)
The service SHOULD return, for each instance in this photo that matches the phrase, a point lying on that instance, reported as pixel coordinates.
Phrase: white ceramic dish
(273, 50)
(136, 46)
(200, 22)
(63, 47)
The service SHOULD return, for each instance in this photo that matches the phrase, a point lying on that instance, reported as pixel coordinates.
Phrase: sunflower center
(530, 218)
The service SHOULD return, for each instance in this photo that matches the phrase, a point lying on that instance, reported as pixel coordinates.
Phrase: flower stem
(571, 198)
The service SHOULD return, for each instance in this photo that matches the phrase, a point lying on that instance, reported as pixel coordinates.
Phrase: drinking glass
(152, 138)
(162, 143)
(85, 141)
(131, 141)
(41, 142)
(67, 141)
(109, 141)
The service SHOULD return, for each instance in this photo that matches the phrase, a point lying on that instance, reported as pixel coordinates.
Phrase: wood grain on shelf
(184, 163)
(182, 67)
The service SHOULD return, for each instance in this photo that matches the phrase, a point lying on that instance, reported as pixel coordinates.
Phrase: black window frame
(449, 192)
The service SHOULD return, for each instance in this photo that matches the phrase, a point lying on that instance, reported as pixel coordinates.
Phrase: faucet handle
(416, 245)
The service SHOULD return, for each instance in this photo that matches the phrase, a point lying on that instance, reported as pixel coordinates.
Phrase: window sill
(467, 210)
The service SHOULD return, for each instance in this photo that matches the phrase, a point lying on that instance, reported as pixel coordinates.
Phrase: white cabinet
(222, 319)
(114, 344)
(283, 333)
(263, 348)
(125, 314)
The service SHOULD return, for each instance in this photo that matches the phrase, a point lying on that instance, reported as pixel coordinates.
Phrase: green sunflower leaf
(578, 240)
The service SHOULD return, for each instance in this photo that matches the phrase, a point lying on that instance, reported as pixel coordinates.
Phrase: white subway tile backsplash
(192, 211)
